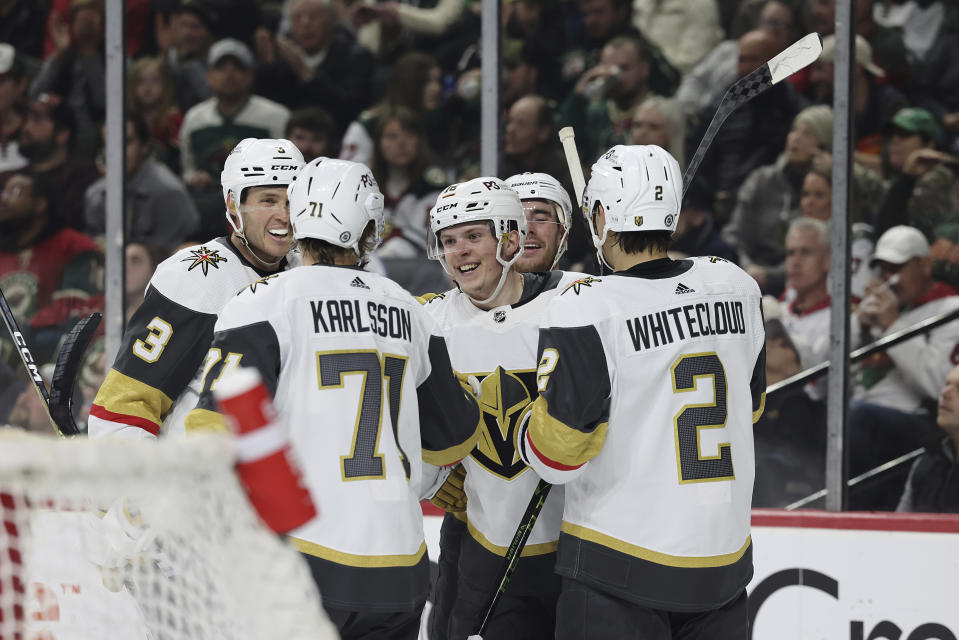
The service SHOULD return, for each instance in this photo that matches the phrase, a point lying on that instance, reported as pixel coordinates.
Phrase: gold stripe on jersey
(560, 442)
(124, 395)
(690, 562)
(448, 456)
(538, 549)
(356, 560)
(206, 421)
(758, 413)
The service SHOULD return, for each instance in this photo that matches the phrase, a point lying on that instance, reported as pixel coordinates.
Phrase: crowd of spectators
(396, 84)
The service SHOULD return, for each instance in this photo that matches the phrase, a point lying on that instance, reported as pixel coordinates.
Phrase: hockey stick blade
(799, 55)
(65, 373)
(514, 551)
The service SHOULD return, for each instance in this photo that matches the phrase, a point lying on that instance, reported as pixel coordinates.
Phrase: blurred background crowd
(396, 84)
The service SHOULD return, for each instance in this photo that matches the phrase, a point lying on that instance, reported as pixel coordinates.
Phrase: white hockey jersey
(499, 347)
(364, 385)
(154, 381)
(650, 381)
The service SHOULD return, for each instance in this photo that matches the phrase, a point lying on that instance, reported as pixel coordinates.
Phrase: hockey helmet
(640, 188)
(542, 186)
(335, 200)
(257, 162)
(485, 199)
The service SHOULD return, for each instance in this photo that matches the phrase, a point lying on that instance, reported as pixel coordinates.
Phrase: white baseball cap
(900, 244)
(230, 47)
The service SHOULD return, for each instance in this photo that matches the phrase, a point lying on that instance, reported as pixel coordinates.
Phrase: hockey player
(548, 215)
(650, 380)
(153, 383)
(490, 322)
(363, 383)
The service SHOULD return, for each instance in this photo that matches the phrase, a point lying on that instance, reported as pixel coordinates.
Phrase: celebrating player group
(633, 393)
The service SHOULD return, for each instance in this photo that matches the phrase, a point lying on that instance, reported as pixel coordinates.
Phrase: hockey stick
(799, 55)
(65, 372)
(513, 552)
(65, 425)
(568, 139)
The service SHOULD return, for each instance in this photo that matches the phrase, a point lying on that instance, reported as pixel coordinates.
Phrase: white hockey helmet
(542, 186)
(640, 188)
(335, 200)
(485, 199)
(257, 162)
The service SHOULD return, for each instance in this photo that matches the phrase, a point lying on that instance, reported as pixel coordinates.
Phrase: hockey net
(155, 540)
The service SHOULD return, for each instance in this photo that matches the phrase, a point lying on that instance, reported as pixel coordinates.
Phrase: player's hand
(451, 495)
(470, 383)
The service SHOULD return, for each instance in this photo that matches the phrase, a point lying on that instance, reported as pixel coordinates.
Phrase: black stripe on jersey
(258, 347)
(225, 241)
(167, 363)
(757, 385)
(449, 416)
(649, 583)
(578, 387)
(536, 283)
(534, 575)
(380, 589)
(657, 269)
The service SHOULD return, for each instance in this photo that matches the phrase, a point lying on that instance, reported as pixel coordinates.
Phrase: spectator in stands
(158, 205)
(933, 482)
(658, 120)
(530, 142)
(769, 198)
(894, 389)
(142, 258)
(696, 232)
(50, 276)
(213, 127)
(382, 27)
(867, 192)
(150, 95)
(313, 132)
(685, 30)
(936, 81)
(77, 71)
(708, 80)
(873, 103)
(921, 184)
(13, 90)
(409, 183)
(321, 65)
(46, 141)
(536, 33)
(886, 42)
(601, 105)
(805, 313)
(790, 436)
(603, 20)
(415, 84)
(194, 26)
(753, 136)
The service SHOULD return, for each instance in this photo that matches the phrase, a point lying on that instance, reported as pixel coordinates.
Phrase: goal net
(153, 540)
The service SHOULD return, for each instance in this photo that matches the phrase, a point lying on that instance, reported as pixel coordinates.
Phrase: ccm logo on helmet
(283, 167)
(445, 207)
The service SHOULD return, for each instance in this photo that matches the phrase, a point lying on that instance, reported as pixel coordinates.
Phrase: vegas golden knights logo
(504, 396)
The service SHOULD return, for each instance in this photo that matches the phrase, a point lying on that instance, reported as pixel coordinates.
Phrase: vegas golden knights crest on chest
(504, 396)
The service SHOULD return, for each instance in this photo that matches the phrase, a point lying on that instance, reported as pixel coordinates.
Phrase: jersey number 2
(693, 466)
(364, 462)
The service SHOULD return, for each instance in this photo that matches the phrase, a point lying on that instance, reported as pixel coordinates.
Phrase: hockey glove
(451, 495)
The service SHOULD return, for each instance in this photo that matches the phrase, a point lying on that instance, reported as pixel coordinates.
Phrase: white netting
(154, 540)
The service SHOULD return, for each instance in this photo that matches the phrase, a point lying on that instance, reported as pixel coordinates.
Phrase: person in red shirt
(50, 276)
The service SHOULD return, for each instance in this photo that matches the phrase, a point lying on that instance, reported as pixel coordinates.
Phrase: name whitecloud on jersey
(687, 321)
(346, 315)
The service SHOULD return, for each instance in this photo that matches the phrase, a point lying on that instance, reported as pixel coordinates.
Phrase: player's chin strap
(506, 264)
(239, 232)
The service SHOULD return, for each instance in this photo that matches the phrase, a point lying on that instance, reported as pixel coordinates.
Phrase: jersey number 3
(688, 423)
(364, 463)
